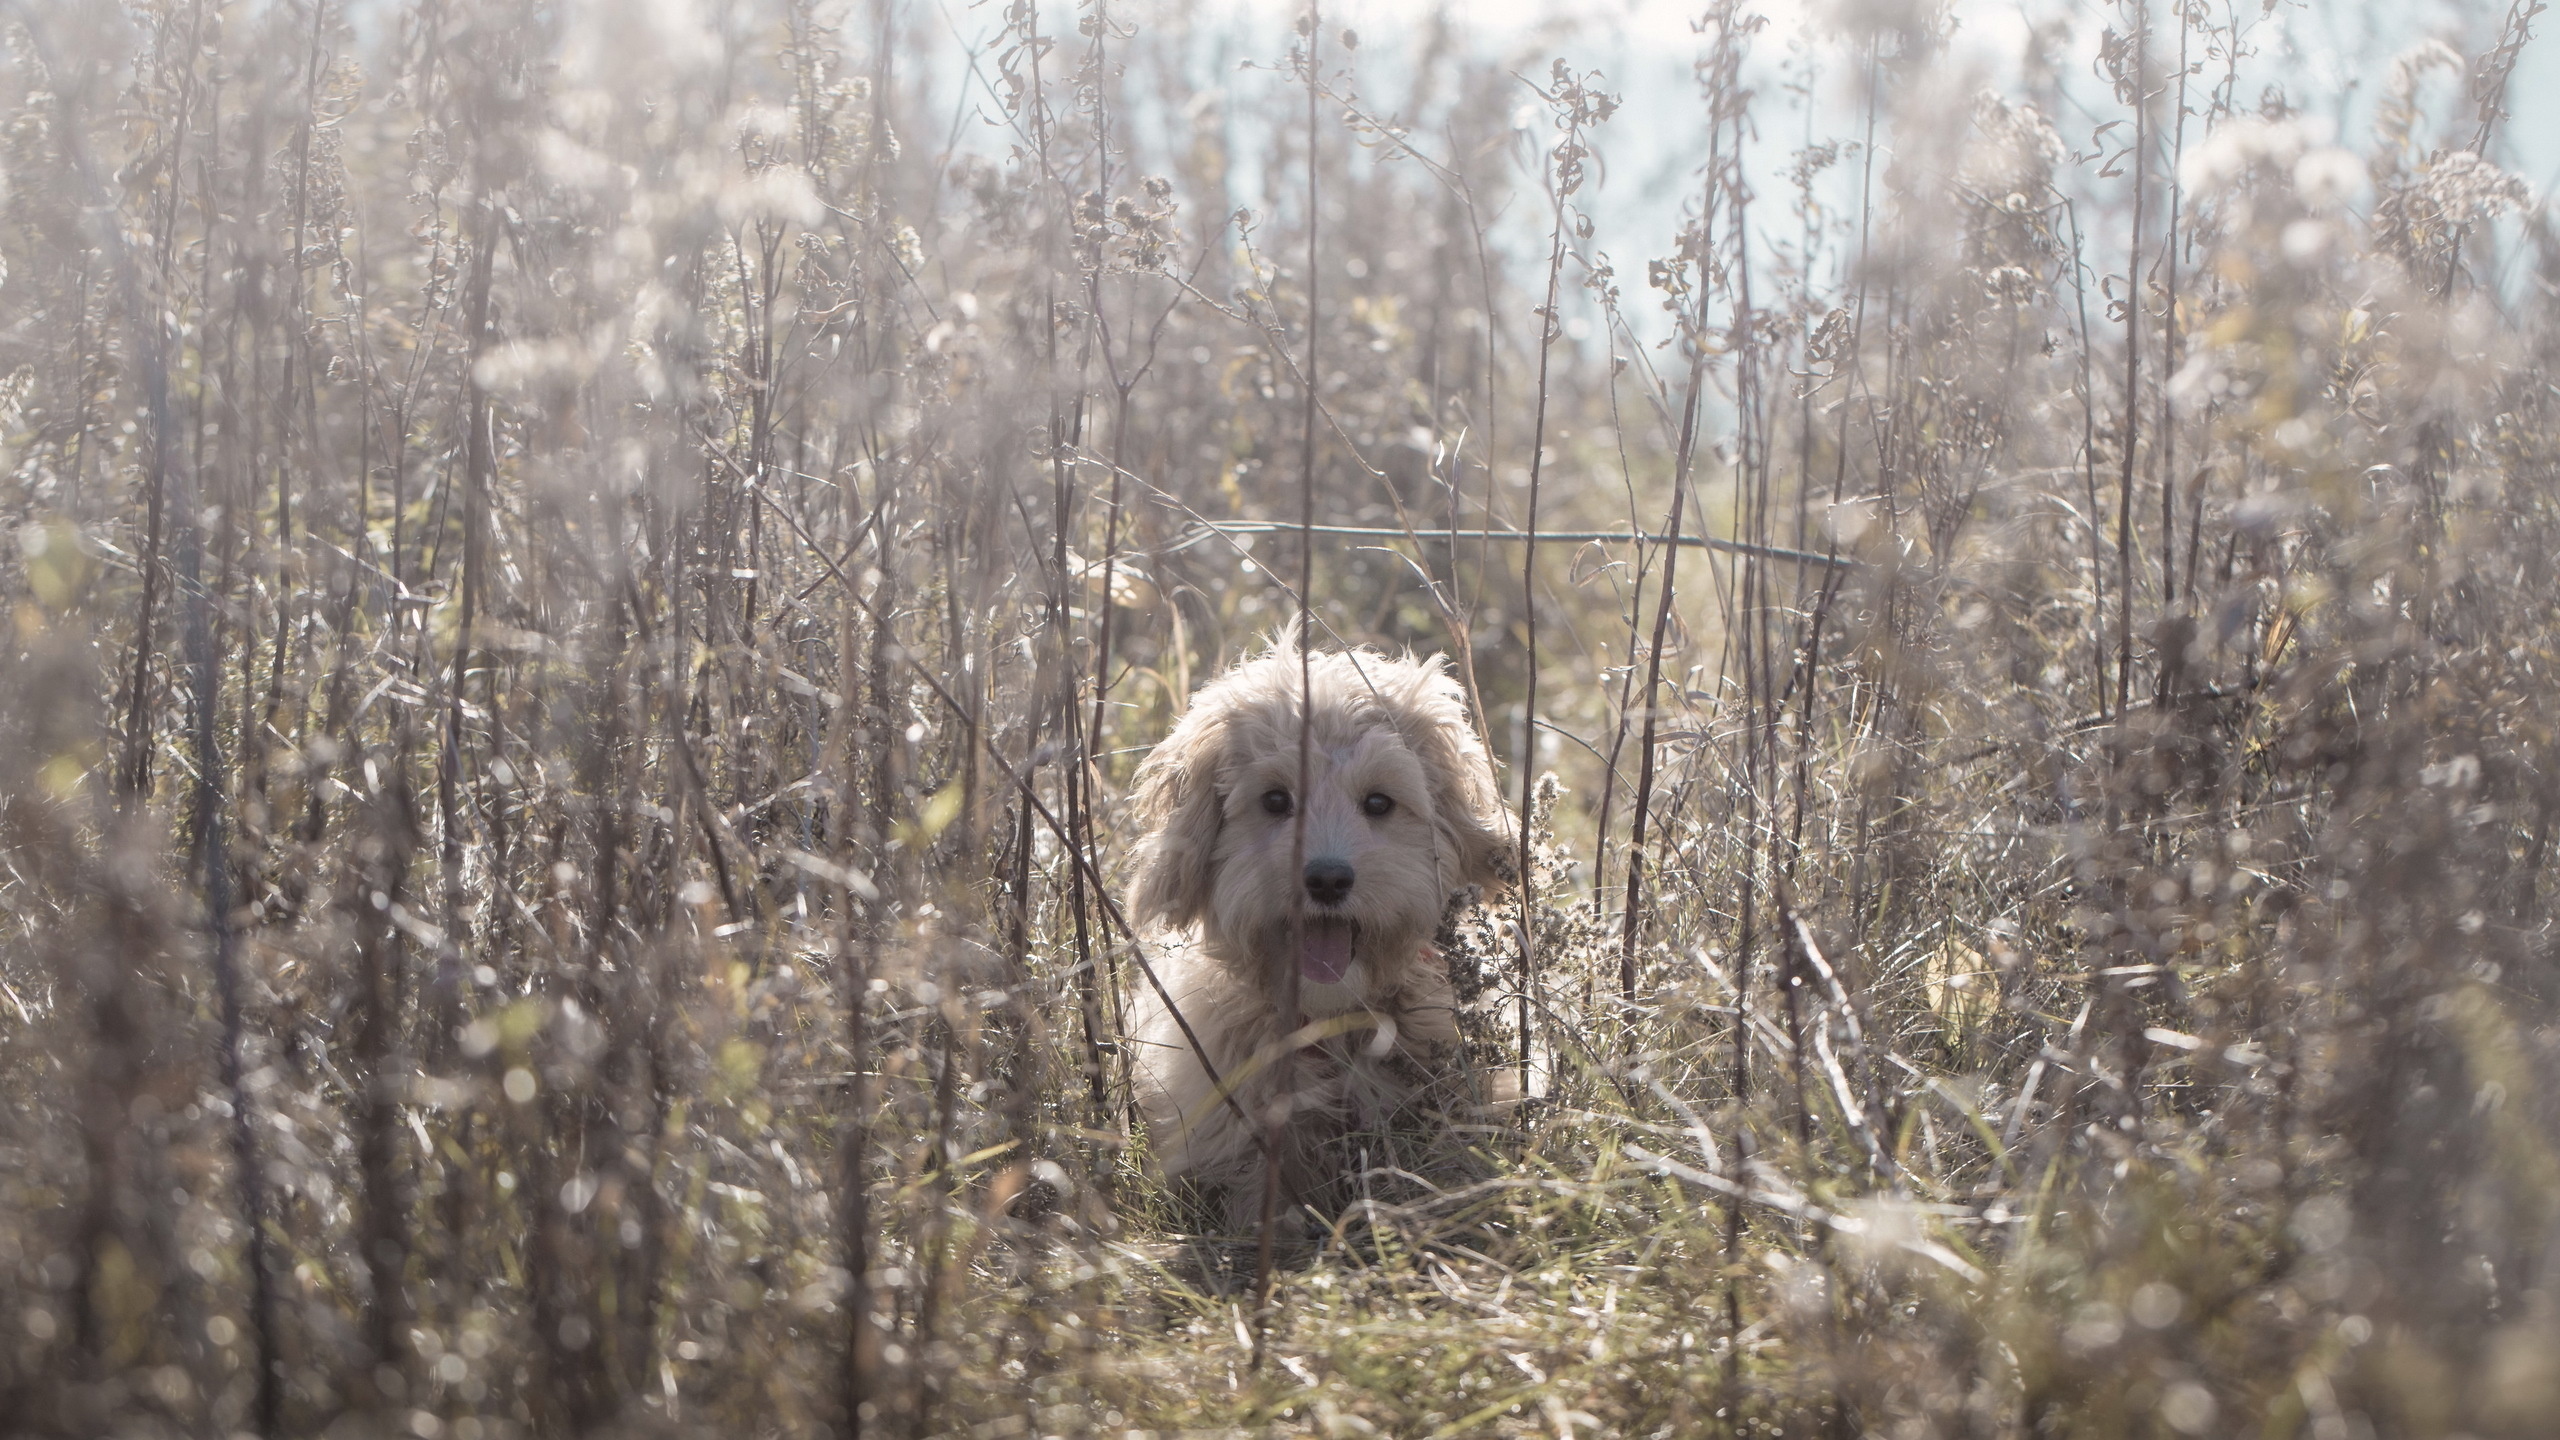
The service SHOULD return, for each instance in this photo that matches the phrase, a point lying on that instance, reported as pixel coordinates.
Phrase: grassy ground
(588, 583)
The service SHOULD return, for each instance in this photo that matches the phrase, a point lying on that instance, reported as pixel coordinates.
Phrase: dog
(1329, 938)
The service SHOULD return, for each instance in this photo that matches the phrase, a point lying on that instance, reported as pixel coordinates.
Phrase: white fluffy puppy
(1401, 814)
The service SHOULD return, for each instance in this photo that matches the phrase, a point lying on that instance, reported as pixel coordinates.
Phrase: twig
(1787, 1202)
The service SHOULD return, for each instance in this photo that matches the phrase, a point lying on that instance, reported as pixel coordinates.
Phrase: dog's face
(1399, 810)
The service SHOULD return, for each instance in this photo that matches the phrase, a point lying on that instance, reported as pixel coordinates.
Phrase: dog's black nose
(1328, 881)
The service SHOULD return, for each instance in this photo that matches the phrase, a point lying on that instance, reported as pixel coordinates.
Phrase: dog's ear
(1179, 802)
(1476, 835)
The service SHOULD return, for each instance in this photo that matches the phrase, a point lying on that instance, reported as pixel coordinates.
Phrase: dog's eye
(1379, 803)
(1275, 802)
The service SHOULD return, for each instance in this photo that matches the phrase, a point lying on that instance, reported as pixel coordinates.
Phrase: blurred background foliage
(588, 579)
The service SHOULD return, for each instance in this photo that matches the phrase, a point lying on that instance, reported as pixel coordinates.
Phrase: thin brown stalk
(2133, 308)
(1274, 1145)
(1647, 745)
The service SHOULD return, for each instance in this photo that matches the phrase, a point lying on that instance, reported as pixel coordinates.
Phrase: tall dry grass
(588, 582)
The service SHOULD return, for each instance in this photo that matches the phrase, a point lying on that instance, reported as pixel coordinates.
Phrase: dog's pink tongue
(1327, 954)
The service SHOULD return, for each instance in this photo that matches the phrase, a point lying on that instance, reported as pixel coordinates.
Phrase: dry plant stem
(934, 1252)
(1062, 433)
(375, 887)
(1093, 737)
(2165, 429)
(1097, 338)
(1623, 712)
(858, 943)
(1646, 745)
(1065, 440)
(212, 864)
(1764, 706)
(1796, 1207)
(209, 858)
(1022, 1097)
(1527, 879)
(478, 464)
(1805, 954)
(2133, 307)
(2089, 465)
(134, 774)
(860, 938)
(1122, 387)
(1809, 674)
(1720, 79)
(297, 367)
(1274, 1146)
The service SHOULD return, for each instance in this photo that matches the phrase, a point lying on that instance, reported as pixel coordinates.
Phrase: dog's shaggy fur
(1402, 815)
